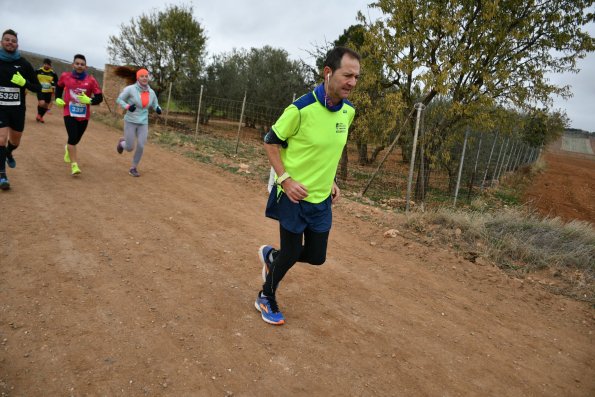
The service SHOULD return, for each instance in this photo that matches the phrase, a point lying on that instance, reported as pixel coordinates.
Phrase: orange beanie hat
(142, 72)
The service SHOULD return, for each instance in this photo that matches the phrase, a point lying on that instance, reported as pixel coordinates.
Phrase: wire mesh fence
(192, 111)
(408, 172)
(417, 175)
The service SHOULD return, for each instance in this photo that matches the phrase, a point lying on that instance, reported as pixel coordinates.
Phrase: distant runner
(16, 76)
(80, 90)
(136, 99)
(47, 78)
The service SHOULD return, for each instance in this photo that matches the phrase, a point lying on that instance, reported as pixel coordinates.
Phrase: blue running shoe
(11, 162)
(269, 310)
(264, 254)
(4, 184)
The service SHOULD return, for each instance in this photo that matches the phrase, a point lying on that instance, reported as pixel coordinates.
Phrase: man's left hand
(335, 193)
(18, 79)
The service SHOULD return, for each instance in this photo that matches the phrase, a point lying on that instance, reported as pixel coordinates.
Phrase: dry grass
(522, 243)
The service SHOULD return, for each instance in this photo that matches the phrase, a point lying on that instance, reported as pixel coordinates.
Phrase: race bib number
(10, 96)
(46, 87)
(77, 109)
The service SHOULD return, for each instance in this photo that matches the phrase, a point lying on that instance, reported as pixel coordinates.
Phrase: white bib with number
(77, 109)
(10, 96)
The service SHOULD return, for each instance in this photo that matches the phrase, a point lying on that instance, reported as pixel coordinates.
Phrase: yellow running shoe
(66, 154)
(75, 169)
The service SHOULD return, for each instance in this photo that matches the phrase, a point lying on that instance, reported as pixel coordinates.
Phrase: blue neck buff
(79, 76)
(9, 56)
(324, 100)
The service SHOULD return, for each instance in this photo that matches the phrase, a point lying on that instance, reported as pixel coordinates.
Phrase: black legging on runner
(313, 251)
(75, 129)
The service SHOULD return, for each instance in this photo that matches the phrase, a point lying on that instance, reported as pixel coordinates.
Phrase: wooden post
(240, 123)
(168, 100)
(461, 167)
(198, 112)
(419, 107)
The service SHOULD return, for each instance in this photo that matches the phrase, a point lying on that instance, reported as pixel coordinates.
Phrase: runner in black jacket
(16, 76)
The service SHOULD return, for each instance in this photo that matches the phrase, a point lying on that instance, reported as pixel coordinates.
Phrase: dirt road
(119, 286)
(567, 186)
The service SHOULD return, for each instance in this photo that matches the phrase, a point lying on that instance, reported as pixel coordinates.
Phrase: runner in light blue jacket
(136, 99)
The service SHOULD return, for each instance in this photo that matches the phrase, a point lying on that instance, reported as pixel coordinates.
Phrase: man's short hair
(47, 61)
(11, 32)
(334, 57)
(80, 56)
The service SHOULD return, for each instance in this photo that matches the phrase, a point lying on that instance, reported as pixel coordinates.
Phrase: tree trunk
(343, 165)
(376, 152)
(362, 150)
(405, 149)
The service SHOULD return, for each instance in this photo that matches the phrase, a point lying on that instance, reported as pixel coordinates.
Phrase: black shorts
(44, 96)
(75, 129)
(12, 118)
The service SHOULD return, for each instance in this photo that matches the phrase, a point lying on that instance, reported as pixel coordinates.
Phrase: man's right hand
(295, 191)
(131, 108)
(60, 102)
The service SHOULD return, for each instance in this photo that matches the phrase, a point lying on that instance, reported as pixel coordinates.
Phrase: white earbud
(327, 87)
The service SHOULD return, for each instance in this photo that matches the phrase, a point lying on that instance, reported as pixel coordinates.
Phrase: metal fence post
(539, 153)
(422, 169)
(498, 162)
(507, 157)
(534, 155)
(527, 156)
(510, 161)
(198, 111)
(507, 154)
(485, 175)
(240, 123)
(461, 167)
(518, 157)
(419, 107)
(503, 160)
(474, 168)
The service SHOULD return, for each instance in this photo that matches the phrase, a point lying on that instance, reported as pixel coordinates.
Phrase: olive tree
(170, 43)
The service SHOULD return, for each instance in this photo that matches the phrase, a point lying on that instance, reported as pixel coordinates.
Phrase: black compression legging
(313, 251)
(75, 129)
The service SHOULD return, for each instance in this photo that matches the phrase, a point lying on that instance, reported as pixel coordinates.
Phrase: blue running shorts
(297, 217)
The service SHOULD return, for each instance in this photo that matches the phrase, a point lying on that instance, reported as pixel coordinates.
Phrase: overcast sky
(61, 28)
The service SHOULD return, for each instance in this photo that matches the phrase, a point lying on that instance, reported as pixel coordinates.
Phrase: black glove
(131, 108)
(158, 110)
